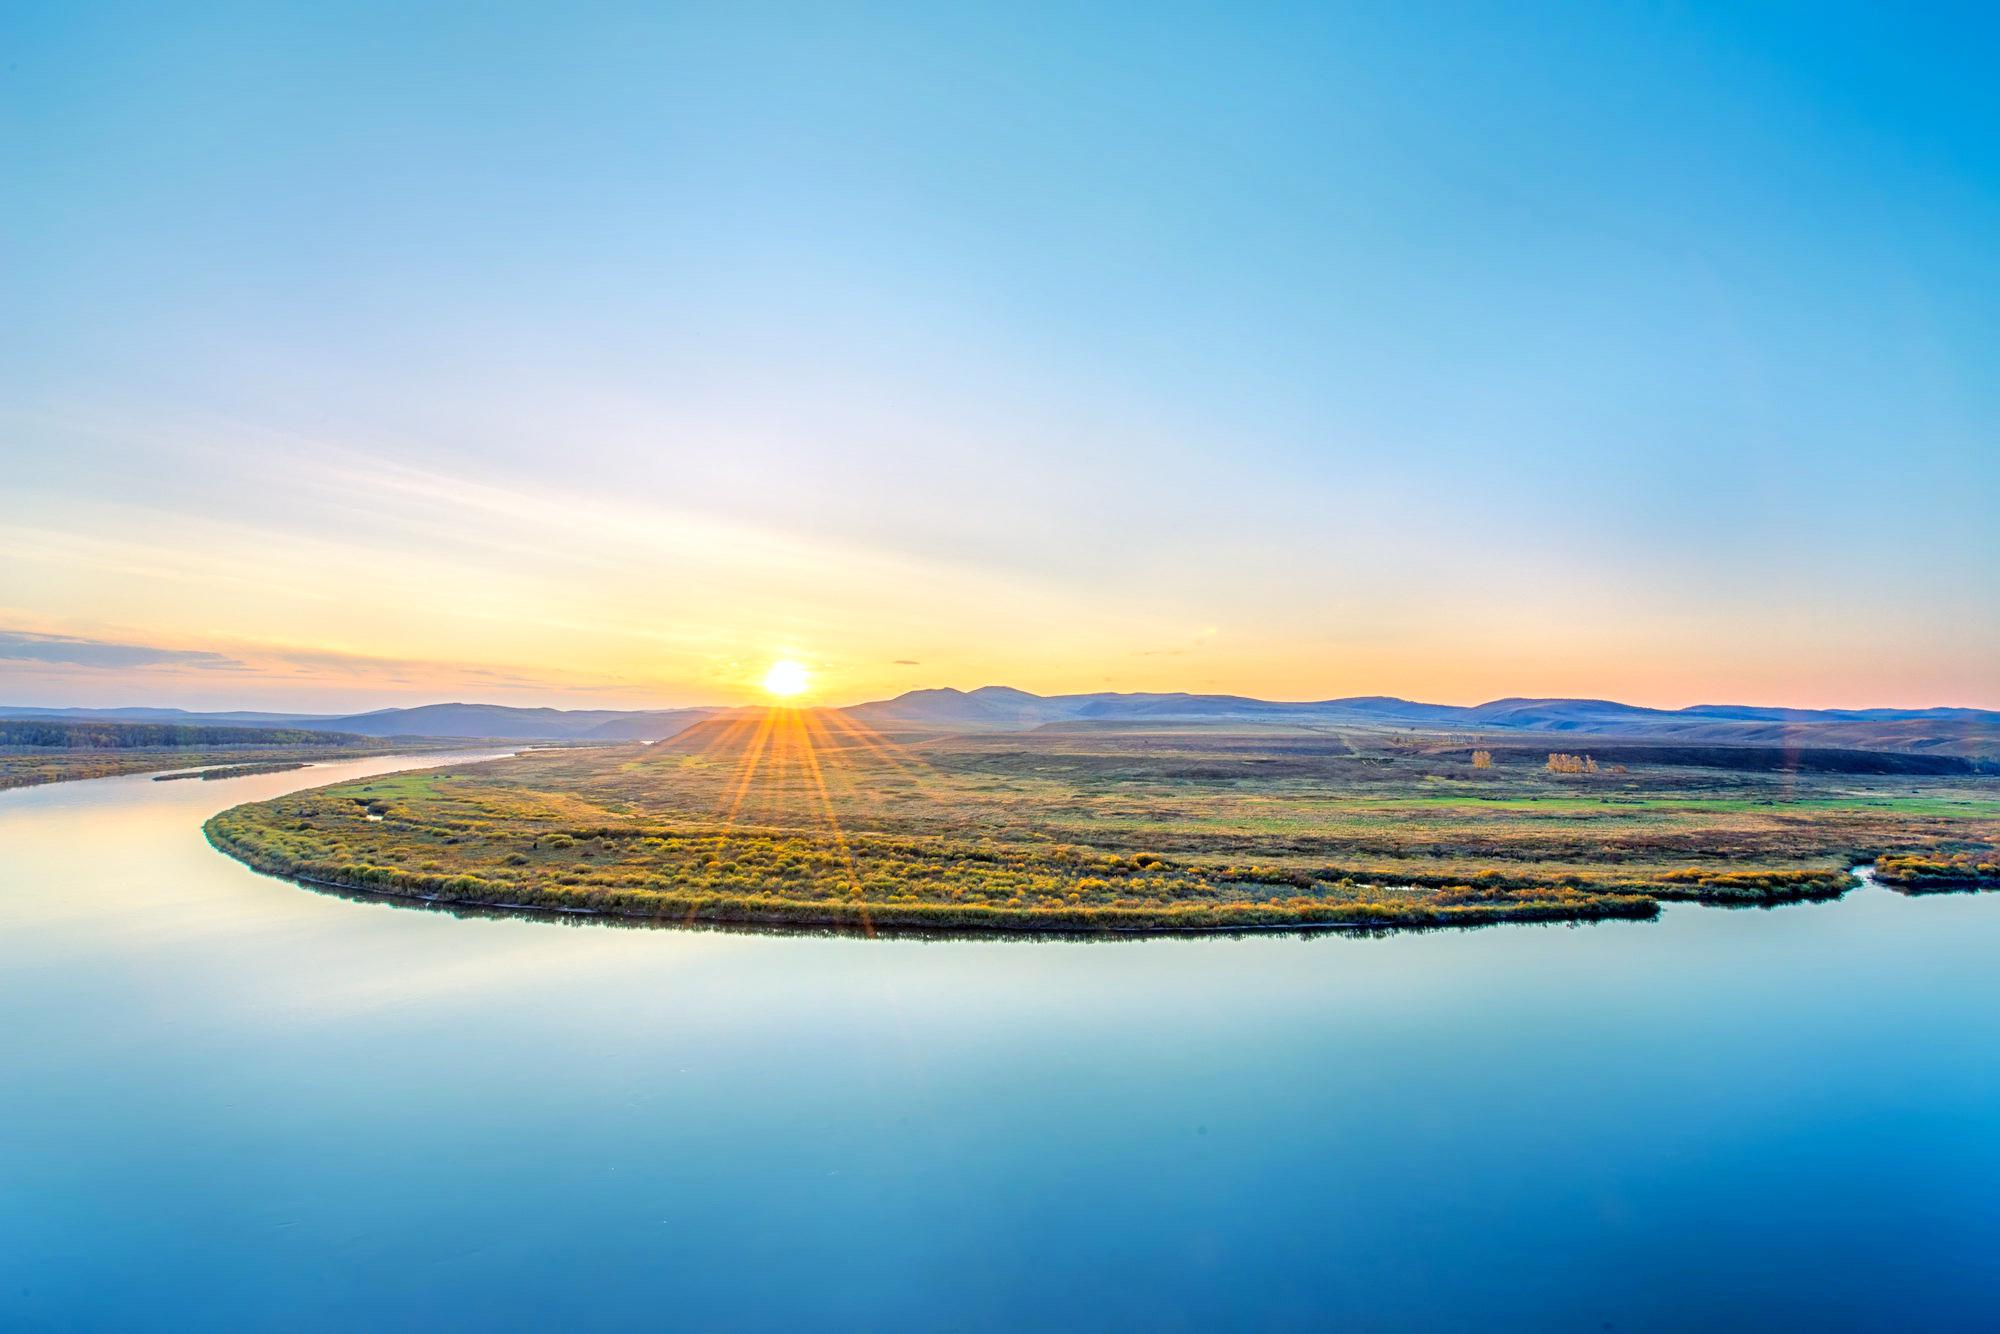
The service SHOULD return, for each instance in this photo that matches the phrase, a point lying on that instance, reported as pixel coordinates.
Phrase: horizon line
(321, 714)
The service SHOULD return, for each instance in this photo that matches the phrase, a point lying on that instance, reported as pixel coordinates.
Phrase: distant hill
(496, 721)
(1001, 707)
(654, 726)
(499, 720)
(1971, 733)
(144, 715)
(1942, 731)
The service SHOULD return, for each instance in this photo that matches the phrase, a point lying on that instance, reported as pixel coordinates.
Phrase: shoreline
(718, 911)
(846, 926)
(1368, 899)
(866, 924)
(215, 763)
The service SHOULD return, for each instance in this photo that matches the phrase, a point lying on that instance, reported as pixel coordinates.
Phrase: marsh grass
(802, 822)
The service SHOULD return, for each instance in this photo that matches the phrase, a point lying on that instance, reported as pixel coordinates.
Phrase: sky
(604, 354)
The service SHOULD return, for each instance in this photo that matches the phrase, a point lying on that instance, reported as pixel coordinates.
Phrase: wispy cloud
(36, 659)
(69, 651)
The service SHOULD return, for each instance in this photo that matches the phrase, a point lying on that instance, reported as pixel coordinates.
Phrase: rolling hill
(495, 721)
(1944, 731)
(1971, 733)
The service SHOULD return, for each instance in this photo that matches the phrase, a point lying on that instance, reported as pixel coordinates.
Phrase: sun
(787, 678)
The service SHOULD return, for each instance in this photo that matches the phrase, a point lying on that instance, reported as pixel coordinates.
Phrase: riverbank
(1917, 874)
(231, 771)
(790, 825)
(1455, 906)
(34, 767)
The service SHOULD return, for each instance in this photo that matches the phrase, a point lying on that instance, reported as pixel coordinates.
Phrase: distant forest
(66, 734)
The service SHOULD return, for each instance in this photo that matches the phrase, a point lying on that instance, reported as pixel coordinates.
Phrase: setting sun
(787, 678)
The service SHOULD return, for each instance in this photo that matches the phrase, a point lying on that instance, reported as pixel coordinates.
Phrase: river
(231, 1101)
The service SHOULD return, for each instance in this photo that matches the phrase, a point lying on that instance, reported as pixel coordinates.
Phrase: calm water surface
(230, 1101)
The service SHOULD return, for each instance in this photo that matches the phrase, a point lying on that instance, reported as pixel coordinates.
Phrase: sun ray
(747, 766)
(781, 777)
(781, 770)
(721, 735)
(838, 759)
(901, 758)
(850, 758)
(846, 853)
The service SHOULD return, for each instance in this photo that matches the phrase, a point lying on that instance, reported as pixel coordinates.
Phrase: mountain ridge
(1936, 729)
(1943, 730)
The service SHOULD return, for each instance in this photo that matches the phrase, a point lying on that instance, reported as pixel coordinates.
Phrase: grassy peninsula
(1921, 874)
(799, 818)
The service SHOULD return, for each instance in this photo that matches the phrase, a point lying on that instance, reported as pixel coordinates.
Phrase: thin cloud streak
(70, 651)
(33, 658)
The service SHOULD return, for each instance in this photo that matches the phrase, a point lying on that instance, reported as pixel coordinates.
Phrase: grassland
(802, 819)
(1918, 873)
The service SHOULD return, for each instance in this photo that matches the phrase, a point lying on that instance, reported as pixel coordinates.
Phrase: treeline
(71, 734)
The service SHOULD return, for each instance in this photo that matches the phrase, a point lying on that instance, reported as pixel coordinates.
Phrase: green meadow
(801, 818)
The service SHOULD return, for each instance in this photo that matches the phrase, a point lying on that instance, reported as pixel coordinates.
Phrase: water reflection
(260, 1106)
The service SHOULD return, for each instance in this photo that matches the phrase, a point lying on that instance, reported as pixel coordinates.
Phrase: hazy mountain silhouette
(1940, 730)
(1947, 731)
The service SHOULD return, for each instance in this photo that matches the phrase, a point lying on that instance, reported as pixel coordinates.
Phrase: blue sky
(607, 353)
